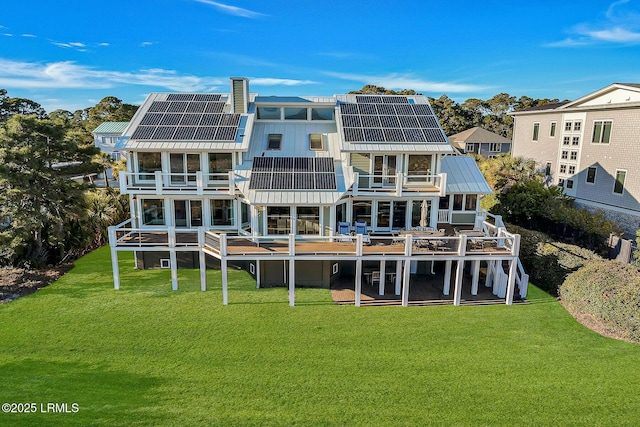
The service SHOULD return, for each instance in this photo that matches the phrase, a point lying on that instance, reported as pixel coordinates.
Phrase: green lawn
(145, 355)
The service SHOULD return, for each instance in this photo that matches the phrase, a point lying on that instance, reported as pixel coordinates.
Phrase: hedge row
(609, 292)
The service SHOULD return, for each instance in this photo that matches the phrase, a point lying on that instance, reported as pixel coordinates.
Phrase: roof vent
(239, 94)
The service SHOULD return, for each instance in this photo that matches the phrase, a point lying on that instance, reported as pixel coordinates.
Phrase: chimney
(239, 94)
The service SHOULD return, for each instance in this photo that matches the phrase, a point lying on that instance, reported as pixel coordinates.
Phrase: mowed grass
(145, 355)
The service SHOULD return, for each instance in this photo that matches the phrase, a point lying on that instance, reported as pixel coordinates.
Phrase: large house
(307, 191)
(590, 148)
(480, 141)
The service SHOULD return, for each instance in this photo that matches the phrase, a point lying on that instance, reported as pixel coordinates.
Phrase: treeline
(491, 114)
(45, 216)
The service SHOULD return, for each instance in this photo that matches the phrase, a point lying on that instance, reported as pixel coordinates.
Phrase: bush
(609, 293)
(548, 262)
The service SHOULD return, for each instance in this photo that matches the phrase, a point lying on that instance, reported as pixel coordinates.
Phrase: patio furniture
(344, 229)
(361, 228)
(375, 278)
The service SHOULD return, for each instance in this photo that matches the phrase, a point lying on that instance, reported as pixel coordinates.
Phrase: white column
(490, 274)
(225, 293)
(358, 285)
(383, 276)
(292, 282)
(457, 292)
(405, 283)
(447, 277)
(116, 269)
(475, 277)
(433, 215)
(203, 270)
(513, 265)
(398, 277)
(174, 269)
(258, 274)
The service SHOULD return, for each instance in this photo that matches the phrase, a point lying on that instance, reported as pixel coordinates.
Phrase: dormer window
(274, 141)
(316, 142)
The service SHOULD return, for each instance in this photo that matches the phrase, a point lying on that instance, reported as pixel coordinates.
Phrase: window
(547, 169)
(567, 126)
(322, 114)
(563, 168)
(618, 186)
(308, 221)
(152, 211)
(552, 133)
(416, 212)
(536, 131)
(274, 141)
(362, 211)
(565, 155)
(278, 219)
(572, 170)
(444, 203)
(575, 140)
(566, 140)
(577, 126)
(470, 202)
(315, 141)
(561, 182)
(219, 166)
(601, 132)
(148, 163)
(457, 202)
(495, 147)
(268, 113)
(222, 212)
(591, 175)
(419, 165)
(295, 114)
(569, 183)
(574, 155)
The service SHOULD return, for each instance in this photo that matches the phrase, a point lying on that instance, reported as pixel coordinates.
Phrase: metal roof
(464, 176)
(477, 135)
(111, 127)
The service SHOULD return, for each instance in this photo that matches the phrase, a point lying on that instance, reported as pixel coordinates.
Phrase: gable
(614, 94)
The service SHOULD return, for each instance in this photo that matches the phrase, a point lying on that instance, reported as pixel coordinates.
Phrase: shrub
(547, 262)
(609, 293)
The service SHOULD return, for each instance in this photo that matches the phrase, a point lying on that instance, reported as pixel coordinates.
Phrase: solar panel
(353, 134)
(190, 119)
(164, 132)
(393, 135)
(408, 121)
(428, 122)
(143, 132)
(230, 120)
(434, 135)
(171, 119)
(370, 121)
(196, 107)
(351, 121)
(185, 132)
(367, 109)
(292, 173)
(389, 122)
(180, 97)
(214, 107)
(151, 119)
(395, 100)
(207, 97)
(373, 135)
(384, 109)
(158, 106)
(177, 107)
(404, 110)
(349, 109)
(414, 135)
(210, 119)
(422, 110)
(226, 133)
(205, 133)
(368, 99)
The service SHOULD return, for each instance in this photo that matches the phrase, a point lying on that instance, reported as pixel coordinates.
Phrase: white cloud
(232, 10)
(28, 35)
(103, 44)
(407, 81)
(145, 44)
(8, 34)
(615, 35)
(268, 81)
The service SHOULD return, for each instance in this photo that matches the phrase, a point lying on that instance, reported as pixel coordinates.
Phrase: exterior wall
(486, 152)
(546, 148)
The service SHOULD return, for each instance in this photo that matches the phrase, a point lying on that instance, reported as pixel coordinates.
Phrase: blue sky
(71, 54)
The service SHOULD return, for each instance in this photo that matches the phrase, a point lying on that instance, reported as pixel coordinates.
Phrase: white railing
(197, 182)
(399, 183)
(444, 216)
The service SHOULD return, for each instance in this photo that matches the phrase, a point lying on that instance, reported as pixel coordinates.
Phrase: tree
(40, 201)
(12, 106)
(380, 90)
(450, 114)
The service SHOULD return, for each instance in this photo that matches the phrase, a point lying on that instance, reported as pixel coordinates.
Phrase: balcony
(160, 183)
(399, 184)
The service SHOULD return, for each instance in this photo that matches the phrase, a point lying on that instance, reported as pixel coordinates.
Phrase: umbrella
(424, 214)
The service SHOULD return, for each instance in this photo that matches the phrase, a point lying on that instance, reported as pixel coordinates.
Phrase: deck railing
(167, 182)
(399, 184)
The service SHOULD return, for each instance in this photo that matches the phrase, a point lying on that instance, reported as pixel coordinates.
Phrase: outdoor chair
(375, 278)
(361, 228)
(344, 230)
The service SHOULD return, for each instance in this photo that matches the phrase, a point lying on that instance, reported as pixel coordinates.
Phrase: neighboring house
(306, 191)
(480, 141)
(591, 147)
(106, 136)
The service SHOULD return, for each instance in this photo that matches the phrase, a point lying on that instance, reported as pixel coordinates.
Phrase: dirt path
(18, 282)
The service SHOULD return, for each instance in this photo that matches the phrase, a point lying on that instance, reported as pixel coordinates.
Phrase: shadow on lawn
(103, 396)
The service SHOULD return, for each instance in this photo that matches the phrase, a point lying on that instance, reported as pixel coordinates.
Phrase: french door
(187, 213)
(184, 167)
(384, 170)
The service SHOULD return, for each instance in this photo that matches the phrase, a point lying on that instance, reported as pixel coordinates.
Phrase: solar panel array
(186, 116)
(292, 173)
(389, 119)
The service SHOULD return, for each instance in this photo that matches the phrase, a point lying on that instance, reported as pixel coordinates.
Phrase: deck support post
(116, 268)
(257, 274)
(457, 291)
(447, 277)
(173, 259)
(490, 273)
(383, 265)
(292, 282)
(398, 277)
(358, 285)
(513, 265)
(476, 276)
(225, 290)
(405, 282)
(203, 270)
